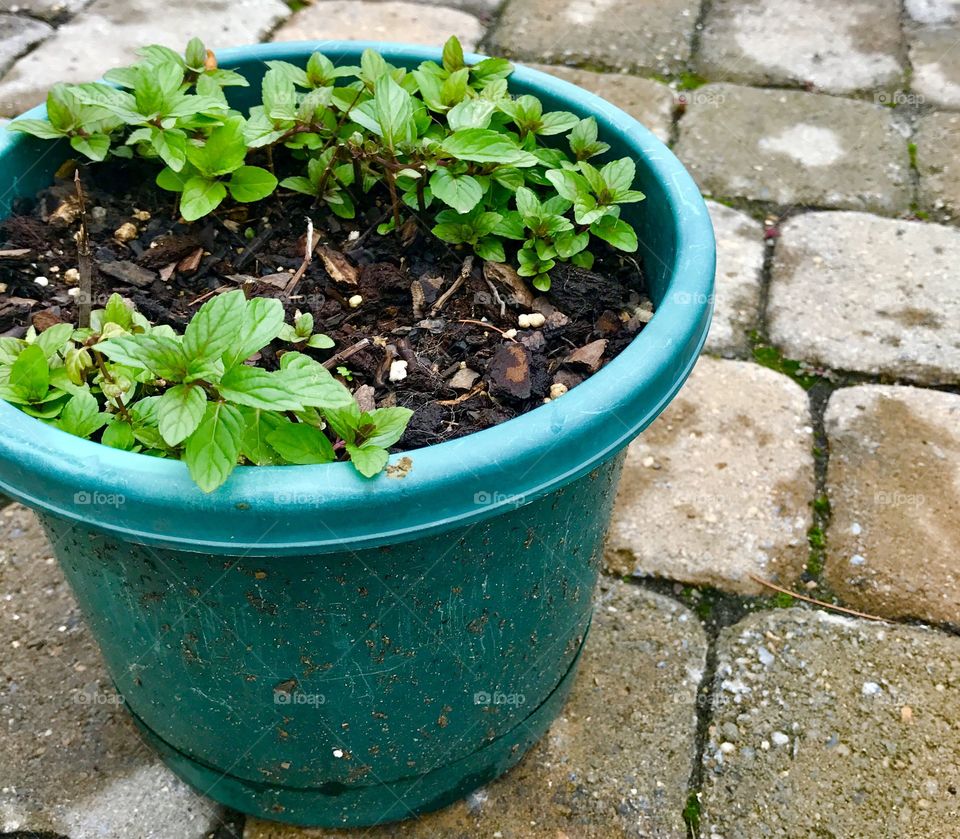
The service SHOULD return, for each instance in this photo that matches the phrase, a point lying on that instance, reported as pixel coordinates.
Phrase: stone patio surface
(815, 449)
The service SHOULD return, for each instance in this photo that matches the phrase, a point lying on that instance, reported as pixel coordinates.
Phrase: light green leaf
(617, 232)
(262, 322)
(389, 425)
(251, 183)
(53, 338)
(470, 113)
(258, 388)
(201, 196)
(179, 412)
(37, 127)
(161, 355)
(118, 434)
(557, 122)
(30, 374)
(312, 382)
(483, 145)
(257, 426)
(81, 415)
(301, 444)
(212, 450)
(215, 326)
(94, 146)
(394, 111)
(171, 145)
(452, 54)
(619, 175)
(368, 460)
(462, 192)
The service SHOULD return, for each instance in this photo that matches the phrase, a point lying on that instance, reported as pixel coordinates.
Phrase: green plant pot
(312, 647)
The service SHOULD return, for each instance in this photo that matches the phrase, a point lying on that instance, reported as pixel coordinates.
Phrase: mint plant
(446, 142)
(145, 388)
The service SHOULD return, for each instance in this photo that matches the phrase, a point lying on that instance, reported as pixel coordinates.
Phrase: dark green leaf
(215, 326)
(251, 183)
(301, 444)
(81, 415)
(212, 450)
(258, 388)
(462, 192)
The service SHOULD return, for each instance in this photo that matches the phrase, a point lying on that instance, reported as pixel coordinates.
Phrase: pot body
(353, 687)
(310, 646)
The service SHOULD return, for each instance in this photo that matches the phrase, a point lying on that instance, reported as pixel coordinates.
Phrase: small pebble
(727, 748)
(557, 390)
(398, 371)
(510, 334)
(71, 276)
(870, 689)
(779, 738)
(73, 292)
(355, 301)
(338, 752)
(141, 215)
(125, 232)
(856, 559)
(41, 281)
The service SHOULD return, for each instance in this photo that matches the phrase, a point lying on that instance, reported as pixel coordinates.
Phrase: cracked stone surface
(632, 35)
(46, 9)
(856, 292)
(932, 12)
(648, 101)
(71, 762)
(481, 8)
(936, 66)
(791, 147)
(938, 153)
(740, 252)
(836, 47)
(719, 486)
(369, 20)
(828, 726)
(109, 32)
(17, 35)
(894, 488)
(617, 760)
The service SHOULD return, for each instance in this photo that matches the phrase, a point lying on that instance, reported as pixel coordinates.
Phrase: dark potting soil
(437, 330)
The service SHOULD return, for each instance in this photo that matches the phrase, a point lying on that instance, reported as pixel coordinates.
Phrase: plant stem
(84, 260)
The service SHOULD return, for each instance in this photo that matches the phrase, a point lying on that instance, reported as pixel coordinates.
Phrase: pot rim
(288, 510)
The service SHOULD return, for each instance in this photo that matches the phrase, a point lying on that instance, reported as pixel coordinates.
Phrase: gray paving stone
(824, 726)
(109, 32)
(373, 20)
(836, 47)
(719, 487)
(938, 164)
(794, 148)
(740, 252)
(46, 9)
(936, 66)
(894, 488)
(633, 35)
(484, 9)
(932, 12)
(71, 762)
(615, 763)
(853, 291)
(649, 101)
(17, 35)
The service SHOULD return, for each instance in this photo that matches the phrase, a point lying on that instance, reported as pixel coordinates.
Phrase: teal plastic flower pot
(313, 647)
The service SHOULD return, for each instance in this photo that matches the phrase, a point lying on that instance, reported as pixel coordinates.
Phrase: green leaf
(171, 145)
(251, 183)
(320, 342)
(30, 374)
(389, 425)
(175, 181)
(37, 127)
(368, 460)
(618, 175)
(212, 450)
(201, 196)
(483, 145)
(81, 415)
(257, 388)
(557, 122)
(179, 412)
(301, 444)
(452, 54)
(53, 339)
(262, 322)
(257, 426)
(298, 183)
(195, 54)
(215, 326)
(118, 312)
(490, 250)
(224, 150)
(94, 146)
(527, 203)
(568, 184)
(312, 382)
(118, 434)
(470, 113)
(394, 112)
(161, 355)
(617, 232)
(462, 192)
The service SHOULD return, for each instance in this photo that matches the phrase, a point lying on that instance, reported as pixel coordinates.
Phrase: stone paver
(650, 102)
(47, 9)
(485, 9)
(856, 292)
(936, 66)
(938, 164)
(719, 486)
(108, 33)
(70, 760)
(894, 488)
(932, 12)
(17, 35)
(739, 266)
(837, 47)
(357, 20)
(791, 147)
(825, 726)
(617, 760)
(633, 35)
